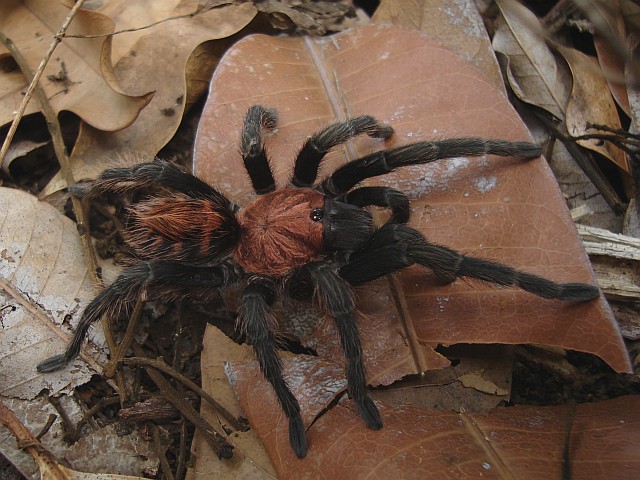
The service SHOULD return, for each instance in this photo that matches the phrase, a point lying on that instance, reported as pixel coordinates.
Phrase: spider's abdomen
(279, 233)
(182, 228)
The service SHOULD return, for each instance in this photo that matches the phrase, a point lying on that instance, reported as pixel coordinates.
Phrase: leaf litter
(324, 346)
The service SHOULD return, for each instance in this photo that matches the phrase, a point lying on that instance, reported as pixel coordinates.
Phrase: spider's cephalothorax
(311, 238)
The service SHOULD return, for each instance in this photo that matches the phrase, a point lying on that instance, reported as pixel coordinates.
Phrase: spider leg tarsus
(52, 364)
(397, 246)
(225, 451)
(256, 162)
(369, 413)
(579, 292)
(166, 279)
(254, 312)
(504, 275)
(523, 149)
(297, 436)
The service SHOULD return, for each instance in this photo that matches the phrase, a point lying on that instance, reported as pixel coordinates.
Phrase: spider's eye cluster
(317, 214)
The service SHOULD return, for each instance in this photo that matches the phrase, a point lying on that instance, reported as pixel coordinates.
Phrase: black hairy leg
(386, 161)
(394, 247)
(159, 173)
(334, 296)
(253, 314)
(390, 198)
(316, 147)
(157, 279)
(254, 156)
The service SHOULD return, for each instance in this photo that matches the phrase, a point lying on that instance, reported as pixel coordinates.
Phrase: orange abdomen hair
(182, 228)
(277, 232)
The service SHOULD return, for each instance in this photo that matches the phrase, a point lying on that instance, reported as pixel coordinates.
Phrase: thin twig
(175, 362)
(71, 432)
(162, 366)
(160, 452)
(50, 421)
(46, 461)
(216, 440)
(181, 468)
(200, 10)
(584, 159)
(566, 450)
(122, 348)
(55, 131)
(96, 408)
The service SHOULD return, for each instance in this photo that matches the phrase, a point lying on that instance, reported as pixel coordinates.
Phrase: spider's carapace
(281, 231)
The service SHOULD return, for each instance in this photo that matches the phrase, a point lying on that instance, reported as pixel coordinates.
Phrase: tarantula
(304, 239)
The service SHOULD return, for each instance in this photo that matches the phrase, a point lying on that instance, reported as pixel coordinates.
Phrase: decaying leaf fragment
(44, 287)
(50, 468)
(44, 275)
(310, 16)
(563, 81)
(250, 459)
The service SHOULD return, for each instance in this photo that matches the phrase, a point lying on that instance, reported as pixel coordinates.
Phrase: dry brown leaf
(457, 25)
(176, 81)
(631, 15)
(135, 16)
(480, 381)
(591, 103)
(19, 148)
(522, 442)
(74, 79)
(507, 210)
(311, 16)
(12, 87)
(533, 72)
(250, 460)
(610, 41)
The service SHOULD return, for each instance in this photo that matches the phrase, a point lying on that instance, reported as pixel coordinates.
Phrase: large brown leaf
(457, 25)
(507, 210)
(591, 103)
(523, 442)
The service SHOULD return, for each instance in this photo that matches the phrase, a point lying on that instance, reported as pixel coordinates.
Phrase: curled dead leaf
(591, 103)
(533, 72)
(73, 80)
